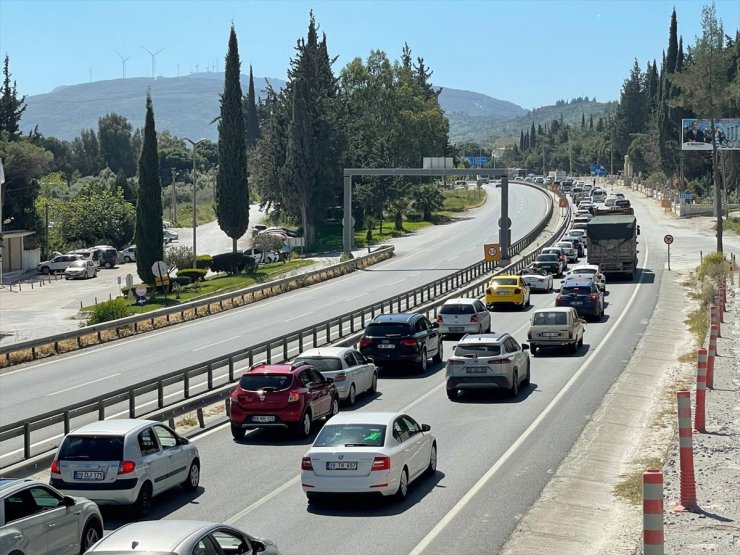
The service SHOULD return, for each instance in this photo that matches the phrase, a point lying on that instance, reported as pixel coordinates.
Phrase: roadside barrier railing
(210, 382)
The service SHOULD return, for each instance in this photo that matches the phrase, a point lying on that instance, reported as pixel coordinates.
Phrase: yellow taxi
(506, 290)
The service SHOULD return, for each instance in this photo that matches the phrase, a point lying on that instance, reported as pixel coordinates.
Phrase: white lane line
(217, 343)
(355, 297)
(297, 317)
(396, 282)
(82, 385)
(481, 483)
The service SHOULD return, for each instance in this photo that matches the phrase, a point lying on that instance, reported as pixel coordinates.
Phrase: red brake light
(454, 362)
(293, 396)
(559, 298)
(517, 291)
(439, 318)
(306, 463)
(474, 318)
(593, 297)
(408, 342)
(498, 361)
(341, 377)
(55, 467)
(382, 463)
(125, 467)
(365, 342)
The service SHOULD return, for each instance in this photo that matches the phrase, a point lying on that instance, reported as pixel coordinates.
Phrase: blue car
(583, 295)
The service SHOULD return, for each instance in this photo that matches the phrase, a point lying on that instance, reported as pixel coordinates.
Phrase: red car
(282, 396)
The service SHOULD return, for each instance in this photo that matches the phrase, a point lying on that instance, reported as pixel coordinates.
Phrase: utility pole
(544, 172)
(570, 158)
(173, 208)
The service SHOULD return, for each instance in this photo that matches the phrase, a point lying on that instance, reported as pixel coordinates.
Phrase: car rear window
(273, 382)
(584, 271)
(550, 319)
(322, 364)
(547, 258)
(457, 308)
(387, 328)
(351, 435)
(575, 289)
(482, 349)
(76, 263)
(91, 448)
(504, 281)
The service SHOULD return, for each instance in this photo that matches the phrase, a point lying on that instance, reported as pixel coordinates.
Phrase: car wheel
(403, 485)
(440, 352)
(45, 270)
(514, 390)
(92, 532)
(303, 428)
(432, 468)
(574, 347)
(127, 259)
(533, 349)
(352, 397)
(334, 408)
(193, 478)
(237, 432)
(452, 394)
(144, 501)
(527, 379)
(374, 383)
(422, 364)
(580, 342)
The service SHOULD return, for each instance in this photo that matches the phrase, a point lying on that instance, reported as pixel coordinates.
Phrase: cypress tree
(253, 129)
(11, 108)
(532, 137)
(591, 123)
(583, 120)
(667, 130)
(232, 192)
(521, 140)
(123, 184)
(148, 233)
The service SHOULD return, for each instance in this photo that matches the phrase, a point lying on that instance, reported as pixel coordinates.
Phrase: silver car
(351, 371)
(81, 269)
(182, 537)
(36, 518)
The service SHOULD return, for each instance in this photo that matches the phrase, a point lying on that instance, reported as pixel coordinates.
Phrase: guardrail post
(171, 422)
(313, 336)
(231, 368)
(227, 405)
(398, 303)
(285, 348)
(186, 385)
(201, 420)
(101, 409)
(362, 319)
(341, 328)
(66, 422)
(131, 404)
(210, 377)
(160, 394)
(328, 332)
(26, 440)
(268, 354)
(352, 323)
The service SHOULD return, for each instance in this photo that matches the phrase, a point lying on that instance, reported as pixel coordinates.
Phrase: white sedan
(588, 270)
(368, 452)
(537, 279)
(351, 371)
(571, 253)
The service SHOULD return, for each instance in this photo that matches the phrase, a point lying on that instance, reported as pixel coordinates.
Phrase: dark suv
(281, 396)
(583, 295)
(549, 262)
(403, 337)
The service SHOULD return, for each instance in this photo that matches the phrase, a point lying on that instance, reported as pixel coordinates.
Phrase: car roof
(491, 337)
(504, 276)
(264, 368)
(325, 352)
(153, 535)
(364, 417)
(404, 317)
(114, 426)
(554, 309)
(461, 300)
(11, 484)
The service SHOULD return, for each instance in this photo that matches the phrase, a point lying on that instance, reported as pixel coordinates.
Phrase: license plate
(386, 346)
(263, 419)
(502, 293)
(550, 334)
(476, 370)
(457, 329)
(89, 475)
(576, 303)
(341, 465)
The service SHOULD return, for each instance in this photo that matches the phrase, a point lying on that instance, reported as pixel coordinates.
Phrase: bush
(193, 274)
(229, 262)
(181, 280)
(713, 265)
(204, 261)
(110, 310)
(179, 256)
(250, 265)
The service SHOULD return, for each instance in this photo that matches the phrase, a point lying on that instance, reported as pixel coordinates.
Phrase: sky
(530, 52)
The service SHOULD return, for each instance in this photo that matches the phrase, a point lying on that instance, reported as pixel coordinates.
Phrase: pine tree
(122, 184)
(232, 191)
(148, 233)
(11, 108)
(532, 137)
(521, 140)
(252, 123)
(583, 120)
(591, 123)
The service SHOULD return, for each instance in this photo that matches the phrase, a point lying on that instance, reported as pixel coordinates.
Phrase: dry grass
(630, 488)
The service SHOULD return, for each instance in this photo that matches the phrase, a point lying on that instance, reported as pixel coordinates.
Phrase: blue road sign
(477, 160)
(687, 196)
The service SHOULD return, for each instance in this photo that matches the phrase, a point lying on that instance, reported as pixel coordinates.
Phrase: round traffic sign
(140, 290)
(492, 251)
(159, 269)
(506, 224)
(668, 239)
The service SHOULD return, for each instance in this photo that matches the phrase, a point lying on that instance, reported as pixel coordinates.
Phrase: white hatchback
(124, 462)
(368, 452)
(463, 315)
(351, 371)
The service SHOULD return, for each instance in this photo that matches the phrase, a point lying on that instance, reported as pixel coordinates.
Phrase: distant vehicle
(129, 254)
(263, 257)
(588, 270)
(549, 262)
(505, 289)
(166, 224)
(81, 269)
(460, 184)
(571, 252)
(612, 244)
(351, 371)
(555, 327)
(108, 256)
(403, 338)
(482, 178)
(537, 280)
(582, 294)
(170, 235)
(463, 315)
(93, 254)
(58, 263)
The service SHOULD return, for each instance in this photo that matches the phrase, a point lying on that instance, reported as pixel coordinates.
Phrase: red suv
(282, 396)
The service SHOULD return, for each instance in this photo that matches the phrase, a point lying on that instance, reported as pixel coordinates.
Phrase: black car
(577, 243)
(583, 295)
(399, 338)
(549, 262)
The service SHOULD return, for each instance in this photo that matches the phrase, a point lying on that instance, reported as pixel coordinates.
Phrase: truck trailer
(612, 244)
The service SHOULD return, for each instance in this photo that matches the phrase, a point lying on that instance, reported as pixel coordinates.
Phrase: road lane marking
(483, 481)
(82, 385)
(297, 317)
(217, 343)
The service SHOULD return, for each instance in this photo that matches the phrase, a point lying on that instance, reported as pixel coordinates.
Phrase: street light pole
(195, 185)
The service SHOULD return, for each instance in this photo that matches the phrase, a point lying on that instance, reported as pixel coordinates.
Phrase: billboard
(696, 134)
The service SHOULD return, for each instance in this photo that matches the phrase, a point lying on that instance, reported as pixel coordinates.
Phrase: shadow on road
(480, 396)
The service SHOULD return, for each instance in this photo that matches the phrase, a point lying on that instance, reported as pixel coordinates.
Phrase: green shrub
(204, 261)
(181, 280)
(229, 262)
(110, 310)
(194, 274)
(180, 256)
(713, 265)
(250, 265)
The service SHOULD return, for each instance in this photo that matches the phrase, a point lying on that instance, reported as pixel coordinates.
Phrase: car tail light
(340, 377)
(439, 318)
(489, 291)
(593, 297)
(517, 291)
(452, 362)
(408, 342)
(365, 342)
(381, 463)
(559, 298)
(529, 335)
(126, 467)
(498, 361)
(55, 467)
(293, 396)
(570, 335)
(473, 318)
(306, 463)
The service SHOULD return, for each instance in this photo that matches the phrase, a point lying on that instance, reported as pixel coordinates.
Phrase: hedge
(229, 262)
(194, 274)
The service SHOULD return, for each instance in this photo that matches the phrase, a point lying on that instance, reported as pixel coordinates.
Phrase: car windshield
(91, 448)
(550, 319)
(457, 308)
(565, 245)
(387, 328)
(504, 281)
(480, 349)
(547, 258)
(322, 364)
(351, 435)
(583, 271)
(270, 382)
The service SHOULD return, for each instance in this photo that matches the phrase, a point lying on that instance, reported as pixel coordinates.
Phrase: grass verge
(630, 489)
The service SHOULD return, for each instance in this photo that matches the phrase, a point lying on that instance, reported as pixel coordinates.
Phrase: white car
(129, 254)
(537, 280)
(368, 452)
(36, 518)
(588, 270)
(81, 269)
(124, 462)
(571, 253)
(463, 315)
(351, 371)
(169, 235)
(263, 257)
(58, 263)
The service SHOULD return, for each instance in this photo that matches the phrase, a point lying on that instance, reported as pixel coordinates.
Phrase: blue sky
(530, 52)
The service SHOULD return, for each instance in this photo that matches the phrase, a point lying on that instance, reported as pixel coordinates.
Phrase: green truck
(612, 244)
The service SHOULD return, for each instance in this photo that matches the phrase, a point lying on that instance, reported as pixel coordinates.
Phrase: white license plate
(89, 475)
(550, 334)
(332, 465)
(386, 346)
(263, 419)
(502, 293)
(457, 329)
(576, 303)
(476, 370)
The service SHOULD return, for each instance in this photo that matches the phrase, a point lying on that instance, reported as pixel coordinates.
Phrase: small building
(15, 256)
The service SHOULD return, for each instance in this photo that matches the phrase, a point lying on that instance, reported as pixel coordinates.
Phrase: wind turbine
(154, 60)
(123, 61)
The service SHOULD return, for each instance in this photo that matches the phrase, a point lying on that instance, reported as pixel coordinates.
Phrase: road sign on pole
(492, 252)
(668, 239)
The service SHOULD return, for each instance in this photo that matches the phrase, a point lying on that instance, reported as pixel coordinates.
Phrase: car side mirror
(68, 501)
(435, 324)
(525, 347)
(369, 360)
(425, 427)
(182, 441)
(258, 546)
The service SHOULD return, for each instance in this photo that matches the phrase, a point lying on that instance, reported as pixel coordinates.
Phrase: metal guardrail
(345, 328)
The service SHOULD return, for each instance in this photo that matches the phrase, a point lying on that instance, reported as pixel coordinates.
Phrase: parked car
(537, 279)
(587, 270)
(487, 361)
(182, 537)
(129, 254)
(89, 254)
(582, 294)
(505, 289)
(555, 327)
(291, 396)
(351, 371)
(571, 252)
(81, 269)
(58, 263)
(463, 315)
(548, 262)
(124, 462)
(108, 256)
(170, 235)
(402, 338)
(378, 453)
(35, 519)
(263, 257)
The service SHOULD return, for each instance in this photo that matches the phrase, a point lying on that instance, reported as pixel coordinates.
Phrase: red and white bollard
(686, 454)
(652, 512)
(701, 392)
(714, 319)
(711, 354)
